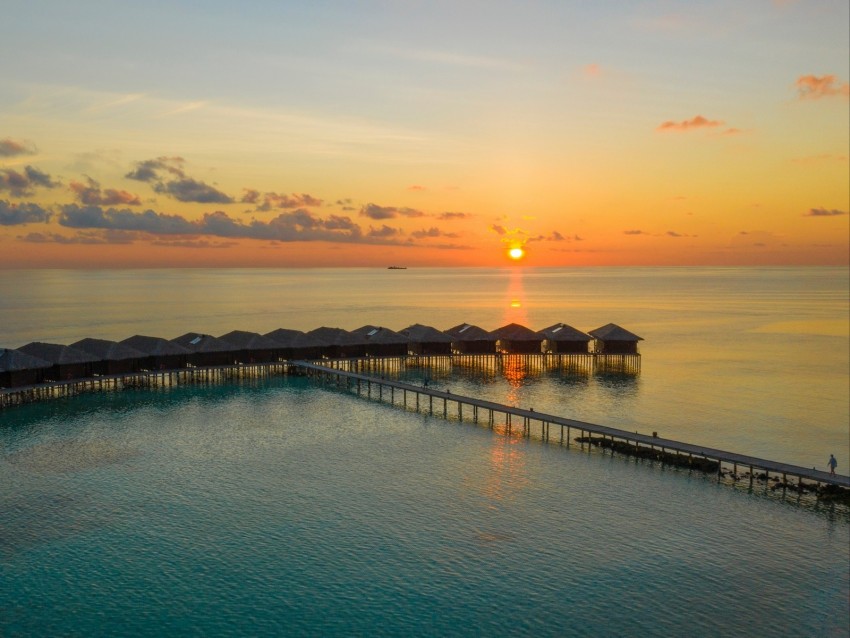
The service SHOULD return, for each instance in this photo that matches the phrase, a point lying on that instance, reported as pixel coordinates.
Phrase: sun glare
(516, 253)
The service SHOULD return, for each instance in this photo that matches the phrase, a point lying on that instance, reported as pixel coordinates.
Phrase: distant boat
(396, 267)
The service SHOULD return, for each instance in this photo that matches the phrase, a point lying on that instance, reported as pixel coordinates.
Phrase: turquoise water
(278, 508)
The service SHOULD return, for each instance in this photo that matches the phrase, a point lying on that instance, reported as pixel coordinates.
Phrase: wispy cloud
(23, 184)
(824, 212)
(813, 87)
(696, 122)
(90, 193)
(449, 58)
(373, 211)
(11, 148)
(271, 200)
(167, 177)
(431, 232)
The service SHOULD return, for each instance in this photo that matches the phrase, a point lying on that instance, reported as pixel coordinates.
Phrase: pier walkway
(422, 397)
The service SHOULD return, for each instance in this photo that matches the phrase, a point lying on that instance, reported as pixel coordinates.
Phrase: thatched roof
(57, 354)
(468, 332)
(516, 332)
(295, 339)
(417, 333)
(563, 332)
(106, 350)
(374, 334)
(250, 340)
(613, 332)
(196, 342)
(11, 360)
(336, 336)
(154, 346)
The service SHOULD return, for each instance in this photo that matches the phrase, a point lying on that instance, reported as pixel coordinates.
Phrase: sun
(516, 253)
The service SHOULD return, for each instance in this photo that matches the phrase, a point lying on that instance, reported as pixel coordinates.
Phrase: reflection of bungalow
(206, 350)
(18, 368)
(252, 346)
(295, 344)
(341, 344)
(564, 339)
(469, 339)
(160, 354)
(113, 357)
(66, 362)
(514, 338)
(612, 339)
(382, 342)
(426, 340)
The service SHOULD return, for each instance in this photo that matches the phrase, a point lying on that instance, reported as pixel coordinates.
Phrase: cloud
(167, 176)
(698, 121)
(149, 170)
(298, 225)
(450, 216)
(100, 237)
(194, 243)
(431, 232)
(499, 229)
(634, 232)
(591, 70)
(17, 214)
(823, 212)
(553, 236)
(271, 200)
(675, 234)
(11, 148)
(74, 216)
(91, 194)
(384, 231)
(373, 211)
(22, 184)
(812, 87)
(416, 187)
(187, 189)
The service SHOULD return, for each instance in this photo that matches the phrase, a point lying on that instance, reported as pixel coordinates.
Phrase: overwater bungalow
(425, 340)
(382, 342)
(563, 339)
(112, 357)
(612, 339)
(18, 368)
(516, 339)
(207, 350)
(341, 343)
(469, 339)
(252, 346)
(160, 354)
(296, 344)
(66, 362)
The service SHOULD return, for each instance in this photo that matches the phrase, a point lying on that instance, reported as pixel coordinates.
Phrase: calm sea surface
(280, 508)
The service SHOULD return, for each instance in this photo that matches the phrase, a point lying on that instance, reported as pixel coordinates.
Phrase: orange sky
(425, 136)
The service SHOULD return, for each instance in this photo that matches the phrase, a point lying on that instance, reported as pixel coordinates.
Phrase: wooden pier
(448, 405)
(143, 379)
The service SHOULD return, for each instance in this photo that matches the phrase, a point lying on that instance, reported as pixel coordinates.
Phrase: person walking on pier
(832, 463)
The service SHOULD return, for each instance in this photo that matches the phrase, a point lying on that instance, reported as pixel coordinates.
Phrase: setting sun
(516, 253)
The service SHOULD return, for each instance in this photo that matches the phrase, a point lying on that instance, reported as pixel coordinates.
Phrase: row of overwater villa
(39, 363)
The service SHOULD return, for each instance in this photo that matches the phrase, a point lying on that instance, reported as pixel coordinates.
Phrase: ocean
(277, 507)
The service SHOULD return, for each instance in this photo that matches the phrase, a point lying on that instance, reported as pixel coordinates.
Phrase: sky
(375, 133)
